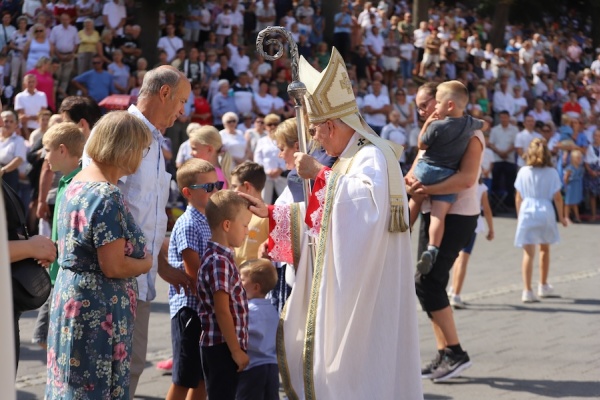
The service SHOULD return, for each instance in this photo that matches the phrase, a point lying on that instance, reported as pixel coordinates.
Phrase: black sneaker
(451, 366)
(425, 263)
(427, 372)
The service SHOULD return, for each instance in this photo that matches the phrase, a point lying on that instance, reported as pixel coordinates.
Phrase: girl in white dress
(537, 186)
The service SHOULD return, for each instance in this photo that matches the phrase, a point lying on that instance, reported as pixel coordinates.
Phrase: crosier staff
(296, 90)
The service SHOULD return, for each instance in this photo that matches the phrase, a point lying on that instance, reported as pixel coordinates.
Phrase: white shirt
(537, 69)
(519, 102)
(13, 147)
(115, 13)
(502, 138)
(420, 36)
(234, 144)
(184, 153)
(239, 63)
(376, 102)
(31, 104)
(522, 142)
(170, 45)
(264, 104)
(543, 115)
(374, 43)
(503, 101)
(396, 134)
(267, 154)
(64, 39)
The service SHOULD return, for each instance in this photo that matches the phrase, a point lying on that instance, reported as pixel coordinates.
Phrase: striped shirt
(218, 272)
(191, 231)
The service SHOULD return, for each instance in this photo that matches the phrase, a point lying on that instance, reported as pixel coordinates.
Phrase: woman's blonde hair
(272, 119)
(286, 133)
(210, 136)
(538, 154)
(120, 139)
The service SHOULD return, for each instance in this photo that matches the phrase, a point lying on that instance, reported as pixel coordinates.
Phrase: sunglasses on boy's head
(208, 187)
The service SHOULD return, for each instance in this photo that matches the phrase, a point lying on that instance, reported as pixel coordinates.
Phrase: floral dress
(91, 319)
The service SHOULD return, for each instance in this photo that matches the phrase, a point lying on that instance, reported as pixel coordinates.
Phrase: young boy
(250, 177)
(444, 142)
(63, 144)
(197, 181)
(223, 302)
(261, 379)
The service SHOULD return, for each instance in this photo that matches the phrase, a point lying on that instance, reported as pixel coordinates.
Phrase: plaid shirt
(218, 272)
(191, 231)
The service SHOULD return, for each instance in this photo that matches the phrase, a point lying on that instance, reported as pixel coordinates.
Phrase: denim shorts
(430, 174)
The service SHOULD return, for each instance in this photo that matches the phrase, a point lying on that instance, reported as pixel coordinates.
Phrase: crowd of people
(213, 115)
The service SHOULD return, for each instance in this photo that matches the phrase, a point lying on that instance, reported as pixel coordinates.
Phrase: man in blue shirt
(96, 83)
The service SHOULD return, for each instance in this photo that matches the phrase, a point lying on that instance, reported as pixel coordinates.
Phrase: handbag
(30, 281)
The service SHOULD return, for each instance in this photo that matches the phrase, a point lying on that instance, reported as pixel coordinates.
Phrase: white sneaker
(450, 291)
(528, 297)
(456, 302)
(545, 290)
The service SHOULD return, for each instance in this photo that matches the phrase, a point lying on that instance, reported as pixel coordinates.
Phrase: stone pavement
(544, 350)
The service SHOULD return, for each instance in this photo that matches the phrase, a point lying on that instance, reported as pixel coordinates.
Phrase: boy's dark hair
(224, 206)
(260, 271)
(251, 172)
(81, 107)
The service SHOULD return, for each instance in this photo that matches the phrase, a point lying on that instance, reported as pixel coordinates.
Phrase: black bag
(30, 281)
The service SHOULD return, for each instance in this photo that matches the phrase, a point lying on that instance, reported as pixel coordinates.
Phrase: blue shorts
(430, 174)
(185, 338)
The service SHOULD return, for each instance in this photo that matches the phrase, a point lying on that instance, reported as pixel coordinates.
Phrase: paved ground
(538, 351)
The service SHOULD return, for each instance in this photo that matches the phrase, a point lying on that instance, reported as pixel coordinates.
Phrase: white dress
(537, 221)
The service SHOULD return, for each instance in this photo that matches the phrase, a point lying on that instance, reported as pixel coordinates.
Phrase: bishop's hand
(257, 206)
(307, 166)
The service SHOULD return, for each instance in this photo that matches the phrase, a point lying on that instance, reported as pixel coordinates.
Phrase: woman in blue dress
(101, 251)
(573, 180)
(537, 187)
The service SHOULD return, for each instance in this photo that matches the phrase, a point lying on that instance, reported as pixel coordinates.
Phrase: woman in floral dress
(101, 250)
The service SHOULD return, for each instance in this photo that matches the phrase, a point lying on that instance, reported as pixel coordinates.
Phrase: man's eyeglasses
(423, 107)
(312, 131)
(208, 187)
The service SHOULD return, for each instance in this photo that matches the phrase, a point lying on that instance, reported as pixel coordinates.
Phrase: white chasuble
(349, 327)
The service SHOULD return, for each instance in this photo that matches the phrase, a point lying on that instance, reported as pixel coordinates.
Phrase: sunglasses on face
(208, 187)
(231, 121)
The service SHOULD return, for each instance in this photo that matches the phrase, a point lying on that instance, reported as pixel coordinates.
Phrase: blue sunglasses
(208, 187)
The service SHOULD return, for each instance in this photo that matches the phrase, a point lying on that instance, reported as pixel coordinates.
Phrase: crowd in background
(547, 70)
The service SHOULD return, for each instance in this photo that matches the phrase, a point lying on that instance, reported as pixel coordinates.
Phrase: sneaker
(165, 365)
(427, 372)
(528, 297)
(545, 290)
(450, 291)
(456, 302)
(452, 365)
(425, 263)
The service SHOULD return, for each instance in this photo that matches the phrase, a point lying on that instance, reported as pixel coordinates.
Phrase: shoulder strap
(17, 205)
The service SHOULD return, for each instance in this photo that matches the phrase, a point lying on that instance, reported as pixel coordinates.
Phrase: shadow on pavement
(549, 305)
(547, 388)
(436, 397)
(159, 307)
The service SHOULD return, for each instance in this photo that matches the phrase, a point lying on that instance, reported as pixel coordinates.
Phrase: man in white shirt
(243, 94)
(377, 106)
(503, 100)
(524, 138)
(114, 15)
(504, 171)
(374, 42)
(64, 41)
(538, 69)
(595, 67)
(170, 43)
(265, 15)
(29, 102)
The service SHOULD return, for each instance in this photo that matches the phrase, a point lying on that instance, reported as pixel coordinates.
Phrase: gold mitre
(328, 96)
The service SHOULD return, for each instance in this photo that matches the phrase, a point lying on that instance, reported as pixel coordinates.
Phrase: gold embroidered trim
(284, 370)
(296, 228)
(309, 338)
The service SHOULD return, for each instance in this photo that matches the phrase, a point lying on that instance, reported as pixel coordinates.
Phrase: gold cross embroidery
(345, 83)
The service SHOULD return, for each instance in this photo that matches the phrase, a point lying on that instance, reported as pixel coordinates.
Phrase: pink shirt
(45, 84)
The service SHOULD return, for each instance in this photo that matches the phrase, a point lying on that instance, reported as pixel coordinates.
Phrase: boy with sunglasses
(197, 181)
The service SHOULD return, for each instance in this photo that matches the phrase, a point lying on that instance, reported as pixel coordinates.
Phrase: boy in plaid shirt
(223, 302)
(197, 181)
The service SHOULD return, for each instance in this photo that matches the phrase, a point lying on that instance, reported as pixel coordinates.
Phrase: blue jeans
(430, 174)
(406, 67)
